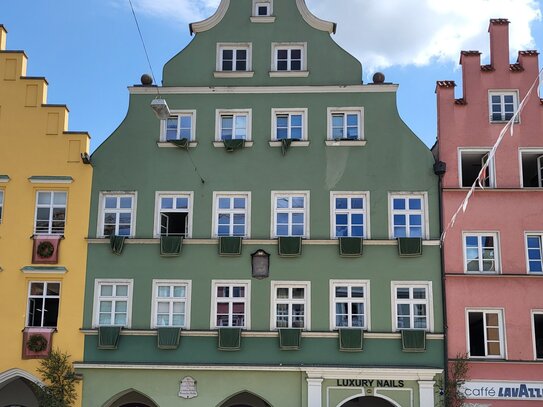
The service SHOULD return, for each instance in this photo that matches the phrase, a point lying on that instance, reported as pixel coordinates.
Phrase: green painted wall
(195, 65)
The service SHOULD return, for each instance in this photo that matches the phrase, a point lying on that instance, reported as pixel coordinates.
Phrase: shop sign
(370, 383)
(503, 390)
(187, 388)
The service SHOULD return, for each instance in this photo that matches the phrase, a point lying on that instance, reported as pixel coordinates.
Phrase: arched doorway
(17, 389)
(131, 398)
(245, 399)
(368, 401)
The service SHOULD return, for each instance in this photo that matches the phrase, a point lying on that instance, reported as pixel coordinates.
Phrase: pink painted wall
(507, 209)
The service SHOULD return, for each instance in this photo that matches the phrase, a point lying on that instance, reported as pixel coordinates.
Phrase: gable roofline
(308, 17)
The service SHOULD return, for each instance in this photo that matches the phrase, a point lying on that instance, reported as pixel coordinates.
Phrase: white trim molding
(198, 90)
(212, 21)
(13, 374)
(314, 21)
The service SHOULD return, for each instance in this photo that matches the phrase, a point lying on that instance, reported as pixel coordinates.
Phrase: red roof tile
(446, 84)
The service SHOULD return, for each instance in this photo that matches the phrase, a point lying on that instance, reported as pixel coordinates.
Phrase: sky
(90, 50)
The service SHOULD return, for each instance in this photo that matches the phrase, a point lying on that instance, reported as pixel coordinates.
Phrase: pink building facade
(493, 253)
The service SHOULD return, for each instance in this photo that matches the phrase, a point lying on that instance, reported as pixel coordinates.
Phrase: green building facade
(273, 146)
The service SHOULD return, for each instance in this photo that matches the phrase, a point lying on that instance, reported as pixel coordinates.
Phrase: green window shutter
(290, 246)
(351, 339)
(350, 246)
(230, 246)
(229, 339)
(413, 340)
(410, 246)
(290, 338)
(108, 337)
(168, 337)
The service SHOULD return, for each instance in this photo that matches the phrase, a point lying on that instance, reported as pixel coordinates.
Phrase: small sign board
(187, 388)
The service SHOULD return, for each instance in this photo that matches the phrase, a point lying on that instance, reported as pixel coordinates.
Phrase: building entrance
(367, 402)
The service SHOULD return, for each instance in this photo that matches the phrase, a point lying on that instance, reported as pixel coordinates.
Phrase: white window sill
(233, 74)
(165, 144)
(220, 144)
(289, 74)
(345, 143)
(263, 19)
(479, 273)
(295, 143)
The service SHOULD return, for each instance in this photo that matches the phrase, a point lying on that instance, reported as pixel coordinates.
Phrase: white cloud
(384, 33)
(399, 32)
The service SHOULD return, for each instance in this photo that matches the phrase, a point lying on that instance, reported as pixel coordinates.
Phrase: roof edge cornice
(314, 21)
(212, 21)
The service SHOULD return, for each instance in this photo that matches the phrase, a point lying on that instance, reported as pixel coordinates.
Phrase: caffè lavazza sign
(503, 390)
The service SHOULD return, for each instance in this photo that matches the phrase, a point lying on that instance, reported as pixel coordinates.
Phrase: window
(50, 212)
(289, 57)
(480, 252)
(231, 214)
(349, 214)
(231, 301)
(290, 305)
(471, 164)
(233, 125)
(345, 123)
(112, 303)
(174, 214)
(412, 304)
(534, 250)
(290, 214)
(43, 302)
(408, 215)
(117, 214)
(180, 125)
(502, 106)
(1, 204)
(171, 303)
(289, 124)
(532, 168)
(261, 9)
(538, 334)
(485, 334)
(233, 57)
(349, 304)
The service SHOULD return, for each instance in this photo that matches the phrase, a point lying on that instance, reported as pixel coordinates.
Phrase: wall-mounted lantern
(260, 261)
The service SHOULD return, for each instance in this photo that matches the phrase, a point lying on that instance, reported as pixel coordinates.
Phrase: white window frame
(215, 300)
(502, 93)
(497, 251)
(366, 300)
(306, 301)
(305, 211)
(407, 195)
(187, 300)
(534, 339)
(540, 236)
(291, 111)
(359, 111)
(51, 206)
(539, 164)
(179, 114)
(43, 297)
(429, 302)
(189, 195)
(262, 3)
(101, 211)
(219, 113)
(234, 46)
(501, 321)
(365, 195)
(97, 297)
(216, 210)
(1, 205)
(276, 46)
(491, 167)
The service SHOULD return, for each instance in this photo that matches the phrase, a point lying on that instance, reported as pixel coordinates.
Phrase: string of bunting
(509, 126)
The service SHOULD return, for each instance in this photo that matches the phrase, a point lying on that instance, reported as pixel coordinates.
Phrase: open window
(532, 169)
(485, 334)
(538, 334)
(471, 163)
(173, 215)
(43, 304)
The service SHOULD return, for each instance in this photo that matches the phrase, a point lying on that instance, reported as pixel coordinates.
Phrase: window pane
(341, 203)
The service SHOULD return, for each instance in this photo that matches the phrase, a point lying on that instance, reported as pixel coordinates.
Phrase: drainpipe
(440, 168)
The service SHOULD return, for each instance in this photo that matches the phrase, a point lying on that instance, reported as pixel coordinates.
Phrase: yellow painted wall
(34, 141)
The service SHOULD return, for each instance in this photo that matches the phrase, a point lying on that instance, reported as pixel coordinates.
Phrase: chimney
(499, 43)
(3, 35)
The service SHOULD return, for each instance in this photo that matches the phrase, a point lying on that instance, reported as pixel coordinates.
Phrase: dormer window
(262, 9)
(503, 105)
(233, 60)
(289, 59)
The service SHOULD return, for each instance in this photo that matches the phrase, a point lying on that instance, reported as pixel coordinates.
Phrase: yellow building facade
(45, 184)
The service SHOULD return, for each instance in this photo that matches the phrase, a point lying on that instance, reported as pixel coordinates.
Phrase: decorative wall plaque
(187, 388)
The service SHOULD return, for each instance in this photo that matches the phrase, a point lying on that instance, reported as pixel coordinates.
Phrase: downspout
(440, 168)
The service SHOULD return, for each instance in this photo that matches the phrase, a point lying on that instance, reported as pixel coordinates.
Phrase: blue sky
(90, 50)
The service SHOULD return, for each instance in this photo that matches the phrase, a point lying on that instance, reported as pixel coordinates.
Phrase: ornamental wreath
(36, 343)
(45, 249)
